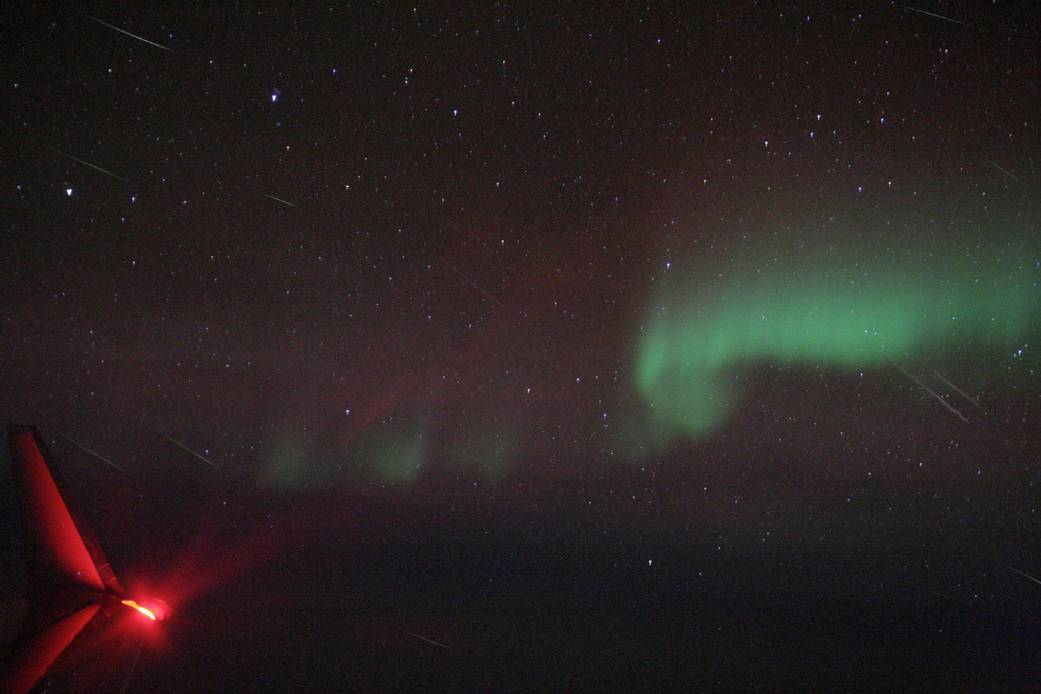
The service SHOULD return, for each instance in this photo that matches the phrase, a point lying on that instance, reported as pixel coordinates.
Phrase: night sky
(487, 347)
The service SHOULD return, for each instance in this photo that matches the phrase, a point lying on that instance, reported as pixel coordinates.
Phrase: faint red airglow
(151, 614)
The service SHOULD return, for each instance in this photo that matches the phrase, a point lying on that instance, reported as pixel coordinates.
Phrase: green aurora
(854, 308)
(390, 453)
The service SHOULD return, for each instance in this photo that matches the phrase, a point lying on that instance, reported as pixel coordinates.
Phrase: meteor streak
(487, 466)
(284, 202)
(956, 389)
(430, 641)
(485, 293)
(133, 669)
(87, 163)
(934, 394)
(938, 16)
(1022, 573)
(197, 455)
(95, 454)
(1008, 173)
(70, 582)
(124, 31)
(945, 596)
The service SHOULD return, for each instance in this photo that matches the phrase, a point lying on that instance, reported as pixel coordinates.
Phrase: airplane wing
(30, 658)
(68, 573)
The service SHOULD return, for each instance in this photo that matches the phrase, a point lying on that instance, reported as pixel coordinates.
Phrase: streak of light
(943, 595)
(95, 454)
(933, 393)
(284, 202)
(938, 16)
(1024, 574)
(946, 596)
(478, 461)
(485, 293)
(956, 389)
(87, 163)
(489, 467)
(124, 31)
(430, 641)
(133, 668)
(189, 450)
(1008, 173)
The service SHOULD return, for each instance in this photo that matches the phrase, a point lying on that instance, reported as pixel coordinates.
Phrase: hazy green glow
(392, 454)
(389, 453)
(843, 309)
(288, 466)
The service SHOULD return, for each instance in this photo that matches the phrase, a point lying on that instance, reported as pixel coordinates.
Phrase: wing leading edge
(68, 574)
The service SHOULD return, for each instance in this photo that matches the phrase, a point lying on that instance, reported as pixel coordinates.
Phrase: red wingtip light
(140, 608)
(155, 610)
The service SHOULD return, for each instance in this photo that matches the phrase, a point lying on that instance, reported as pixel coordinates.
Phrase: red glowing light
(141, 608)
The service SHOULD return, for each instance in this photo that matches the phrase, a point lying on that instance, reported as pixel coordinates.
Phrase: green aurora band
(390, 454)
(823, 306)
(387, 453)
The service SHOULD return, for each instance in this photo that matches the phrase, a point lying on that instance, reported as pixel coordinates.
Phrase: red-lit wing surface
(33, 656)
(67, 571)
(58, 551)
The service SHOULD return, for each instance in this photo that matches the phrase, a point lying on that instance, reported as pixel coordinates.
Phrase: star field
(683, 346)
